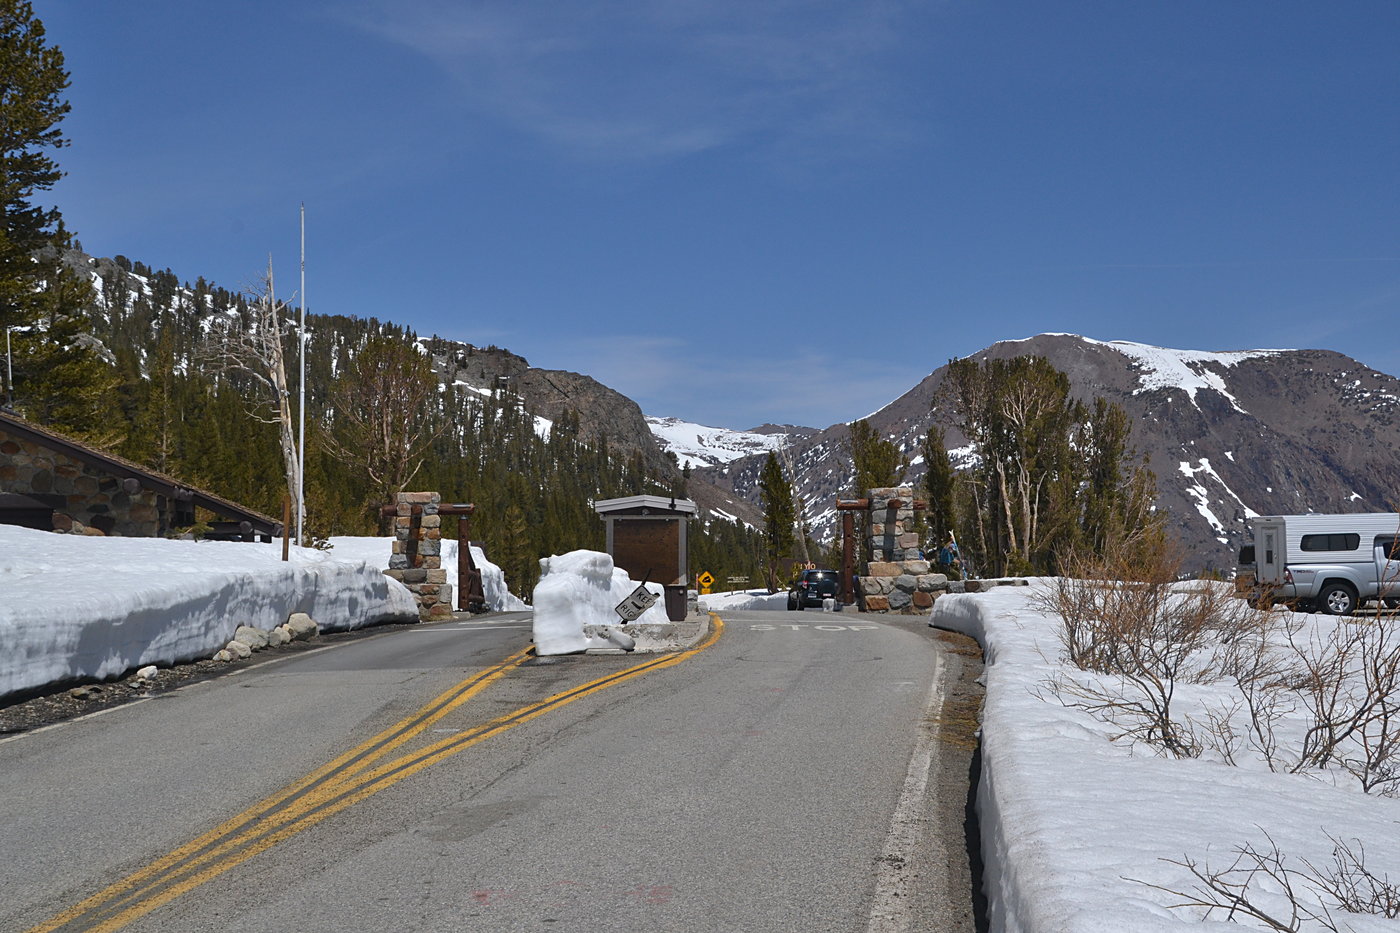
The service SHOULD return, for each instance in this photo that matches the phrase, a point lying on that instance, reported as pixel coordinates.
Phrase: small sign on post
(639, 602)
(706, 580)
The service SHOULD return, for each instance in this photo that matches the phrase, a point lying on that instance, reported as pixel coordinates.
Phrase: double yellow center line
(350, 778)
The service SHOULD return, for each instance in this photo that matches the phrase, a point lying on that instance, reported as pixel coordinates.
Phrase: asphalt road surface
(794, 772)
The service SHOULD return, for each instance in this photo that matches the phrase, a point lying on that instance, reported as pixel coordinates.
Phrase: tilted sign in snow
(640, 600)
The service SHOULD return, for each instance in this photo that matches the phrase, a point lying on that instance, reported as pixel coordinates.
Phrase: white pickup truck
(1324, 563)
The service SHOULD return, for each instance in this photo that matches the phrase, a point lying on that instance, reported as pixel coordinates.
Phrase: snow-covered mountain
(699, 445)
(1228, 434)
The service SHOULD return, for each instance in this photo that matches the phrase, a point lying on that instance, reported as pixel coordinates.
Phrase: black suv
(814, 586)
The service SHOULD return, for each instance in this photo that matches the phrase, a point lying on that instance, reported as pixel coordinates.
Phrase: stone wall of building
(92, 502)
(416, 561)
(897, 578)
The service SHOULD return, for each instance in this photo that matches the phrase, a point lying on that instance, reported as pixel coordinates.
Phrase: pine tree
(876, 461)
(939, 483)
(59, 379)
(778, 517)
(32, 81)
(1051, 475)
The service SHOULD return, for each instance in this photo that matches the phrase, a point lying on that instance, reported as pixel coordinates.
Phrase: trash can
(675, 602)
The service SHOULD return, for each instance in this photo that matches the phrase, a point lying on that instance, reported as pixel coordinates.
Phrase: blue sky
(739, 212)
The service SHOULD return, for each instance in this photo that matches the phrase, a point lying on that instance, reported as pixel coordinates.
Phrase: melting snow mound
(75, 608)
(583, 588)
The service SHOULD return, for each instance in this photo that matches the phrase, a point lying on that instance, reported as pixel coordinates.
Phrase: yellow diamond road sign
(705, 579)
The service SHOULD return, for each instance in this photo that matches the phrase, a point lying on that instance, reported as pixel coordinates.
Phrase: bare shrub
(1142, 632)
(1133, 621)
(1259, 884)
(1353, 886)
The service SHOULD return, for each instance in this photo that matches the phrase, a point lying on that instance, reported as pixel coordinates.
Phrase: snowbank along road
(781, 775)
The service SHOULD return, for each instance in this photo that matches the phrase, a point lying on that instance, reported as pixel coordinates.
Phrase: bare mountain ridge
(1228, 434)
(549, 393)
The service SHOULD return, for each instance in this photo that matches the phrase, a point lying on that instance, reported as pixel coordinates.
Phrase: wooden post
(471, 595)
(848, 508)
(848, 557)
(464, 562)
(286, 526)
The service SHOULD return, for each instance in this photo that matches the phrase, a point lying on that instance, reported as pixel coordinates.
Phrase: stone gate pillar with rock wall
(416, 561)
(897, 578)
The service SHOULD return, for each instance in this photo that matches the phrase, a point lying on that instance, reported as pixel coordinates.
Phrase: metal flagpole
(301, 414)
(9, 373)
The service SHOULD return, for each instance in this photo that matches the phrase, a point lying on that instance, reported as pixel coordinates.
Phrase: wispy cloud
(642, 80)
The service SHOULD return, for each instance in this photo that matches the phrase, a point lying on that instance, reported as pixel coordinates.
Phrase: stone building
(52, 482)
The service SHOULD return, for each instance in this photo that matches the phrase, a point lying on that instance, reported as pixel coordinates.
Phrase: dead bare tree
(252, 345)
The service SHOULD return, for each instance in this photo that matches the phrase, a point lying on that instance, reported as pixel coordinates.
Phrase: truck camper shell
(1331, 562)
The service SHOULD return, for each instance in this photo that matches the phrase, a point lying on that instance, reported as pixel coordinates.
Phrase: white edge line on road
(256, 666)
(897, 869)
(259, 665)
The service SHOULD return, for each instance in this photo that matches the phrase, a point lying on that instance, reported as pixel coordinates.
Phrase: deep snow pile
(575, 602)
(376, 551)
(1069, 815)
(75, 607)
(743, 601)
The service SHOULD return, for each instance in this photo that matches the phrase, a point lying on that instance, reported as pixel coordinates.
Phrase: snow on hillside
(1187, 370)
(542, 425)
(699, 445)
(1082, 828)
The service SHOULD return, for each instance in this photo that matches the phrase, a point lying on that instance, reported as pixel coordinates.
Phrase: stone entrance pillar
(416, 561)
(897, 578)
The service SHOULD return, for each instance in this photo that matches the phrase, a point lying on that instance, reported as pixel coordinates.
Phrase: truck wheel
(1336, 599)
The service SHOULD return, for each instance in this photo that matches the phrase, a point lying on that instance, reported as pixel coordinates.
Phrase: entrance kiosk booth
(647, 538)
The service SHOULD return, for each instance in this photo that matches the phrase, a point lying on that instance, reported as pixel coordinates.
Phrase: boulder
(239, 650)
(278, 637)
(223, 656)
(147, 672)
(302, 626)
(254, 638)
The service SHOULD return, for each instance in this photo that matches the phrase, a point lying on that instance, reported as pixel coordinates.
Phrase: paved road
(797, 773)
